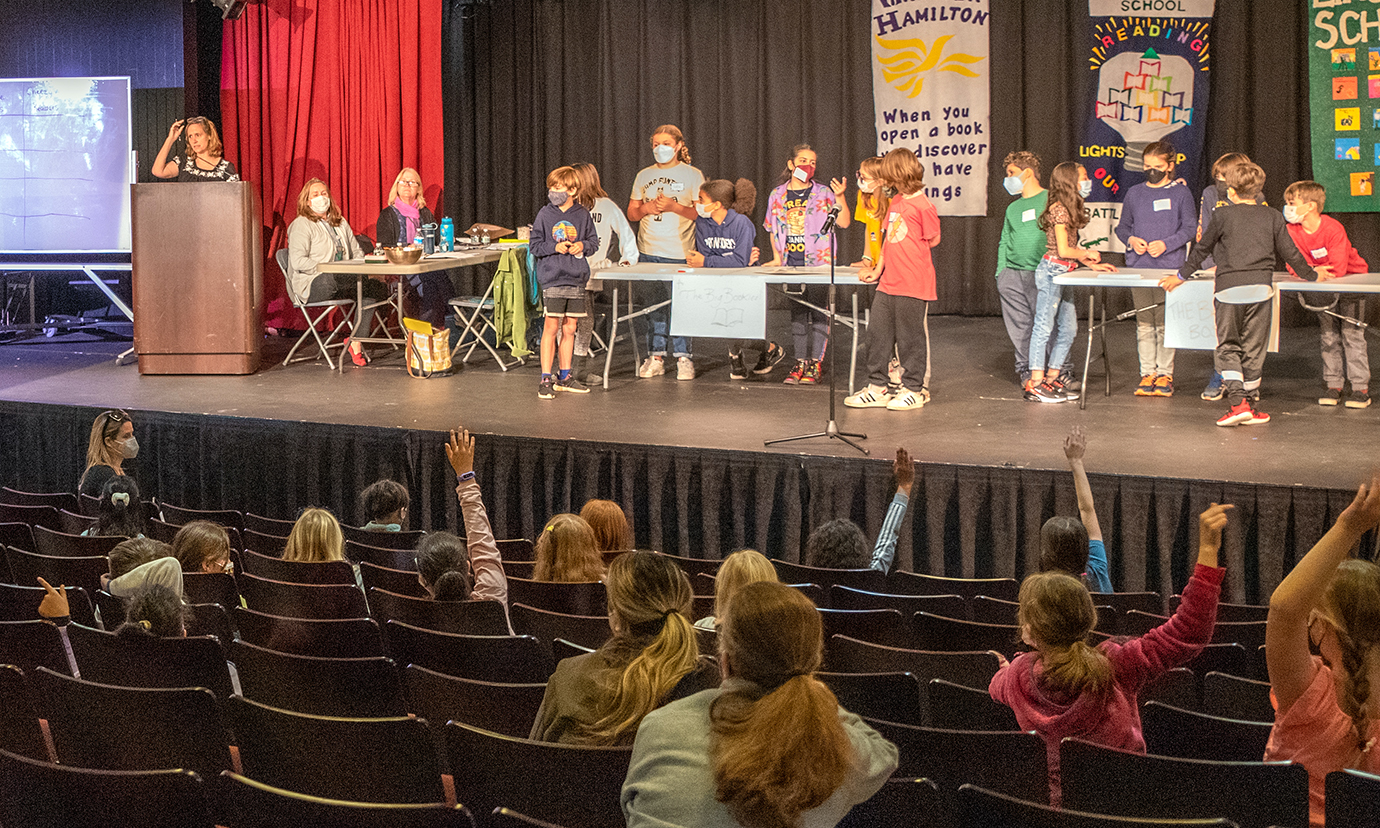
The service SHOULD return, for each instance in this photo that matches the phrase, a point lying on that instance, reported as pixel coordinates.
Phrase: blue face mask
(1013, 184)
(557, 197)
(1085, 188)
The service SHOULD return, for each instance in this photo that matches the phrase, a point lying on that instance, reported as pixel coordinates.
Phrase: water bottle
(447, 235)
(429, 238)
(485, 237)
(417, 240)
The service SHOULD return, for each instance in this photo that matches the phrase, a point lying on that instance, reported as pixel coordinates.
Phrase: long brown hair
(1059, 613)
(1352, 602)
(591, 189)
(199, 541)
(316, 537)
(609, 523)
(105, 427)
(876, 201)
(1063, 189)
(567, 552)
(304, 205)
(683, 153)
(777, 748)
(786, 171)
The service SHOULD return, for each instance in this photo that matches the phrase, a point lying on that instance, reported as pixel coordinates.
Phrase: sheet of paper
(731, 307)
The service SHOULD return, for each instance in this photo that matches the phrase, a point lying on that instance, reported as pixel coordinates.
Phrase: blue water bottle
(447, 235)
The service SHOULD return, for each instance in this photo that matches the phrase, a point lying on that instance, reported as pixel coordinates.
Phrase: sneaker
(1257, 417)
(685, 368)
(1239, 413)
(868, 398)
(1146, 388)
(796, 373)
(1332, 397)
(738, 369)
(894, 372)
(571, 385)
(1213, 391)
(769, 359)
(814, 369)
(1164, 386)
(1358, 399)
(908, 400)
(652, 366)
(1047, 392)
(1064, 387)
(546, 389)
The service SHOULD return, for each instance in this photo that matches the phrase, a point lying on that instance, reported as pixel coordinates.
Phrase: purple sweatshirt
(728, 244)
(1158, 214)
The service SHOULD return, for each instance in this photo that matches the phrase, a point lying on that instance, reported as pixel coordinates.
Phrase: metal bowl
(403, 255)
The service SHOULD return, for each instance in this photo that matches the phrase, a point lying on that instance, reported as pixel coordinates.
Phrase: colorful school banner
(1147, 81)
(930, 93)
(1344, 100)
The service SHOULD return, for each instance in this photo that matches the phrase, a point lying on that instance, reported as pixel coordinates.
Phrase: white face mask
(663, 153)
(866, 186)
(129, 449)
(1291, 214)
(321, 203)
(703, 211)
(1085, 188)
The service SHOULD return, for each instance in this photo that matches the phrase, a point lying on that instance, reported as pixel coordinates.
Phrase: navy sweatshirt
(728, 244)
(1244, 239)
(552, 226)
(1157, 214)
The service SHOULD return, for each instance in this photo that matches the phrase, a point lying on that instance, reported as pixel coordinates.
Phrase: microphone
(830, 219)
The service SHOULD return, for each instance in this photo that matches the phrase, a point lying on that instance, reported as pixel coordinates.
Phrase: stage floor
(977, 416)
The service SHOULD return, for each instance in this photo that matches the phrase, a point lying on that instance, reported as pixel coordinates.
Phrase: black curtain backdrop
(532, 84)
(963, 521)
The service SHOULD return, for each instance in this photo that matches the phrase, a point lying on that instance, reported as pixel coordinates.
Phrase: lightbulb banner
(1147, 81)
(930, 93)
(1343, 63)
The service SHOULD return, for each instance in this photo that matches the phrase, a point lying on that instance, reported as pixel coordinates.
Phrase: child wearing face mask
(1324, 244)
(563, 235)
(1019, 251)
(871, 209)
(1214, 196)
(1156, 226)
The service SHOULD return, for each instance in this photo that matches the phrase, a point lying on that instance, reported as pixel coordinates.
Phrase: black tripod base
(831, 430)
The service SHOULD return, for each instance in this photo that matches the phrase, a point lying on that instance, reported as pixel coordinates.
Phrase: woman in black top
(112, 442)
(202, 158)
(398, 225)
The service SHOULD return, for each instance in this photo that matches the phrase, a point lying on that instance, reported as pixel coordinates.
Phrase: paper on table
(1191, 323)
(730, 307)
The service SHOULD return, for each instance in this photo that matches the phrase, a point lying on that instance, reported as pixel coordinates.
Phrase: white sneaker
(652, 367)
(868, 398)
(685, 368)
(907, 400)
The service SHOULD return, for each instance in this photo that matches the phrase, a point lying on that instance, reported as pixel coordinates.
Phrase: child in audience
(609, 221)
(1156, 226)
(746, 566)
(1326, 715)
(1075, 546)
(134, 552)
(120, 512)
(451, 569)
(840, 544)
(1019, 250)
(203, 546)
(155, 612)
(608, 521)
(600, 698)
(771, 747)
(1067, 687)
(871, 209)
(1214, 196)
(315, 537)
(384, 503)
(1244, 238)
(1323, 242)
(567, 552)
(563, 236)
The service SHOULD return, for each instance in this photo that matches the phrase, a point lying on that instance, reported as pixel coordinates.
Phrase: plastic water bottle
(447, 235)
(418, 240)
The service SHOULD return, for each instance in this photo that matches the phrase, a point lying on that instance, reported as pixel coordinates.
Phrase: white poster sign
(730, 307)
(1190, 322)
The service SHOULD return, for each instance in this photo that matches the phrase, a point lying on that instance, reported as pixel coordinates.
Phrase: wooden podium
(198, 278)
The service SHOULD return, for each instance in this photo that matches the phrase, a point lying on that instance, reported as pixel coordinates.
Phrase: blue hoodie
(728, 244)
(552, 226)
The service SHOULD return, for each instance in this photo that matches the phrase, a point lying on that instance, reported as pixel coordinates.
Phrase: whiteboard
(730, 307)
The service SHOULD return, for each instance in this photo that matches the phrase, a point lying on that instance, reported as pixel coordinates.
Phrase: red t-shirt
(908, 269)
(1329, 246)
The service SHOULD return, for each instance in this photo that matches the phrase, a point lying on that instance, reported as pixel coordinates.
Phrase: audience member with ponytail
(120, 512)
(1326, 712)
(567, 552)
(451, 569)
(599, 698)
(155, 612)
(771, 748)
(1068, 687)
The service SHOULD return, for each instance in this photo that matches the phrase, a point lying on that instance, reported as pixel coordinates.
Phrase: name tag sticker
(1161, 204)
(1028, 215)
(1320, 253)
(677, 186)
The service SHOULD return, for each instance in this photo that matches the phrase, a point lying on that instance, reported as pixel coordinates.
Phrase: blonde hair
(316, 537)
(567, 178)
(97, 451)
(304, 205)
(903, 171)
(876, 201)
(567, 552)
(683, 153)
(1352, 604)
(650, 597)
(609, 523)
(1059, 613)
(777, 748)
(743, 567)
(393, 193)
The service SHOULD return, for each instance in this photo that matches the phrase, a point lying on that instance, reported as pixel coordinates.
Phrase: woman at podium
(399, 223)
(203, 156)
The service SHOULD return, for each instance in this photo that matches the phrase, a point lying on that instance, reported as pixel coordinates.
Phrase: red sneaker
(1257, 417)
(1239, 413)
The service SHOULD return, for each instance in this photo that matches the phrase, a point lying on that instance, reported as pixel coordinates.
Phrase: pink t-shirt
(907, 268)
(1316, 734)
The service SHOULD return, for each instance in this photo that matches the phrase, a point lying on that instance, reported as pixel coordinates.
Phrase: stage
(687, 458)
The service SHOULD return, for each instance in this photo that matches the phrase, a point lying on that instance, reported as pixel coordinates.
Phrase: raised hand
(460, 451)
(903, 469)
(1075, 444)
(839, 186)
(54, 603)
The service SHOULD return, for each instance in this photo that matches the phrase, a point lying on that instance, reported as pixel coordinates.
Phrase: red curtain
(348, 91)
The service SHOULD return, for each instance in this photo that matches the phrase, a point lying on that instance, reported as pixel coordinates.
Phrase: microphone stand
(831, 428)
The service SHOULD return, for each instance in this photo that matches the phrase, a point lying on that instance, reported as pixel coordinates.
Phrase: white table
(90, 270)
(775, 276)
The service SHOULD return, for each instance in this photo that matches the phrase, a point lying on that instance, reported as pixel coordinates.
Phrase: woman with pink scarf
(399, 224)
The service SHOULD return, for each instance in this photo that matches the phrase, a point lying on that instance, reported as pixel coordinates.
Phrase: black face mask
(1155, 176)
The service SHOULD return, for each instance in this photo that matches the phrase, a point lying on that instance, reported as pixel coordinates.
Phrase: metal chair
(325, 306)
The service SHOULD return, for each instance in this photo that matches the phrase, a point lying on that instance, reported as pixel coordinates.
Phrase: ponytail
(1077, 668)
(647, 680)
(1059, 613)
(1352, 601)
(442, 563)
(453, 585)
(740, 195)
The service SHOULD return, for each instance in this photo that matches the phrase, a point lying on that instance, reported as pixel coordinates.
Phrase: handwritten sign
(730, 307)
(1191, 323)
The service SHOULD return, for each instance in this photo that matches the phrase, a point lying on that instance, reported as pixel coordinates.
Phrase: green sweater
(1023, 243)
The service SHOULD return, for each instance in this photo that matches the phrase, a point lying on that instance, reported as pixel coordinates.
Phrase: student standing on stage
(796, 212)
(1244, 238)
(1323, 241)
(561, 234)
(662, 199)
(608, 222)
(1019, 251)
(1156, 226)
(905, 286)
(1214, 196)
(871, 209)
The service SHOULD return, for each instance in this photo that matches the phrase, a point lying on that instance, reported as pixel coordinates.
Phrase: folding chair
(326, 306)
(476, 313)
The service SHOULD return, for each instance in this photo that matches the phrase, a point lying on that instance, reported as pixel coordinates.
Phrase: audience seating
(88, 504)
(348, 687)
(45, 516)
(1178, 687)
(701, 606)
(515, 659)
(880, 626)
(19, 728)
(586, 630)
(268, 526)
(1233, 697)
(165, 532)
(84, 572)
(901, 803)
(32, 644)
(302, 600)
(18, 535)
(516, 549)
(210, 588)
(520, 569)
(692, 566)
(971, 669)
(847, 598)
(144, 661)
(935, 632)
(397, 581)
(20, 603)
(298, 572)
(509, 709)
(74, 523)
(179, 516)
(110, 609)
(981, 808)
(405, 540)
(913, 583)
(322, 637)
(986, 610)
(1013, 763)
(58, 500)
(869, 580)
(562, 649)
(1232, 659)
(210, 619)
(251, 804)
(463, 617)
(1249, 634)
(706, 640)
(1124, 602)
(814, 592)
(955, 707)
(1353, 799)
(891, 697)
(1231, 612)
(1171, 731)
(398, 559)
(483, 764)
(505, 818)
(369, 760)
(263, 543)
(590, 598)
(122, 728)
(35, 794)
(64, 545)
(1251, 794)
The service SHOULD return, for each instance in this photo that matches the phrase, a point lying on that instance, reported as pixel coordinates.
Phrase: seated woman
(743, 567)
(599, 698)
(398, 225)
(318, 236)
(454, 570)
(203, 158)
(384, 502)
(112, 442)
(609, 523)
(120, 512)
(771, 747)
(203, 546)
(567, 552)
(315, 537)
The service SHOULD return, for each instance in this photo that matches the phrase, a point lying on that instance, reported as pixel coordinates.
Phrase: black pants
(342, 286)
(429, 297)
(902, 323)
(1243, 333)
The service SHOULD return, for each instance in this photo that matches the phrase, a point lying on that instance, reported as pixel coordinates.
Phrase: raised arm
(885, 550)
(1075, 445)
(490, 582)
(162, 167)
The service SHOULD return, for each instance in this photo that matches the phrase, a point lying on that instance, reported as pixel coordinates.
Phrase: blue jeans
(1051, 307)
(659, 321)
